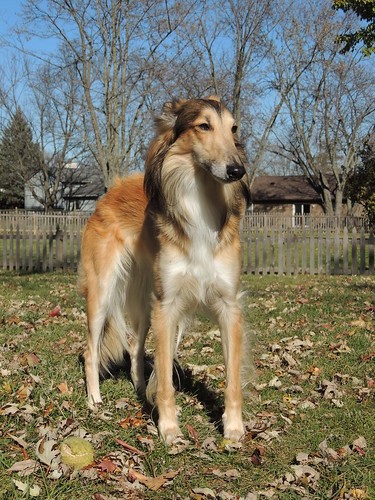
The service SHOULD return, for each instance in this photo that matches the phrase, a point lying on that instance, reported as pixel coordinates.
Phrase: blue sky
(10, 11)
(8, 14)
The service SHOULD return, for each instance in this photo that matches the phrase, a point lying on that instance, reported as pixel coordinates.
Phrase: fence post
(320, 250)
(71, 243)
(5, 241)
(371, 245)
(265, 252)
(281, 253)
(362, 251)
(249, 252)
(50, 250)
(44, 249)
(354, 251)
(345, 250)
(312, 252)
(256, 260)
(30, 261)
(288, 251)
(336, 251)
(304, 251)
(296, 253)
(272, 251)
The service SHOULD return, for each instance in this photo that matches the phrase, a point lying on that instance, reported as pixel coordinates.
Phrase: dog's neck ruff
(194, 199)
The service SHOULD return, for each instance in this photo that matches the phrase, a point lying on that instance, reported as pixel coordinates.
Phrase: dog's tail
(113, 347)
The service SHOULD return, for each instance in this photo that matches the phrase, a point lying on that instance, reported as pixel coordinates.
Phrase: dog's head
(202, 130)
(205, 129)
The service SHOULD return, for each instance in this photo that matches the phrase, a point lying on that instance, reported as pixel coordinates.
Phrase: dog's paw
(94, 403)
(233, 426)
(233, 434)
(169, 433)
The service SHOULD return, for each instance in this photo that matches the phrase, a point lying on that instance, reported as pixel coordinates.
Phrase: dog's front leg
(164, 326)
(231, 335)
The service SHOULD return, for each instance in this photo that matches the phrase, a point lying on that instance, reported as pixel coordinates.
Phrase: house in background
(79, 188)
(291, 195)
(285, 195)
(83, 190)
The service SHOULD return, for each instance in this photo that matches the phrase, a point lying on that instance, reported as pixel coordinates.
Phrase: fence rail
(270, 220)
(45, 242)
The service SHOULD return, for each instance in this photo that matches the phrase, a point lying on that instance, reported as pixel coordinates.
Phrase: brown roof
(282, 189)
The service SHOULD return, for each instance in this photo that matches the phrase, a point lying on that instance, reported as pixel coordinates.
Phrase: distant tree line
(303, 101)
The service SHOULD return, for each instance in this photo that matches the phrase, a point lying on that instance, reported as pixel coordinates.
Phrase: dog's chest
(198, 274)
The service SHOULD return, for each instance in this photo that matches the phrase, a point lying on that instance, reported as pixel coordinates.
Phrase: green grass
(332, 316)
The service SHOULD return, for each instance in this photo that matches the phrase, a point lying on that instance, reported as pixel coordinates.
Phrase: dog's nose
(235, 172)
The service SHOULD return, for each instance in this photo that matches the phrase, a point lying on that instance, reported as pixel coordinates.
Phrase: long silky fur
(123, 238)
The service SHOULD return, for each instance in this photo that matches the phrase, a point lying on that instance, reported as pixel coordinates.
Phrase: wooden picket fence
(294, 250)
(38, 242)
(49, 242)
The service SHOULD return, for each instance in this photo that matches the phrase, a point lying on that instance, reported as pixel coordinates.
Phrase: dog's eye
(234, 129)
(204, 126)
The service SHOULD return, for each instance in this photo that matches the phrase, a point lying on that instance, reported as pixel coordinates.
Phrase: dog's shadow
(184, 381)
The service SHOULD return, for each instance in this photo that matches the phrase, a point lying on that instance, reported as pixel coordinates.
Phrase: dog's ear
(213, 98)
(165, 136)
(166, 121)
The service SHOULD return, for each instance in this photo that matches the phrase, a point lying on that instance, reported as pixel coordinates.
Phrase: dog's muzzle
(235, 172)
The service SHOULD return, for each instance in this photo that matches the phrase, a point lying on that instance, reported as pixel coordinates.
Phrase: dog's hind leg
(96, 317)
(137, 354)
(230, 322)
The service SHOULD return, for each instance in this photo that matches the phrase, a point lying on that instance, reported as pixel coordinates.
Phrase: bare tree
(228, 52)
(114, 45)
(55, 101)
(329, 105)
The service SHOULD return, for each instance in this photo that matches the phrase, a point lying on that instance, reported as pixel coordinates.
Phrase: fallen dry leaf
(20, 485)
(47, 451)
(25, 467)
(106, 465)
(48, 410)
(24, 392)
(29, 359)
(368, 357)
(359, 323)
(55, 312)
(359, 445)
(129, 447)
(256, 457)
(193, 434)
(152, 483)
(302, 458)
(201, 493)
(328, 453)
(178, 446)
(21, 442)
(147, 441)
(306, 475)
(228, 474)
(210, 444)
(359, 493)
(64, 389)
(132, 422)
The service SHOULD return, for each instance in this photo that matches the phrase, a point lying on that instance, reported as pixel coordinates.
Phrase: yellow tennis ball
(77, 452)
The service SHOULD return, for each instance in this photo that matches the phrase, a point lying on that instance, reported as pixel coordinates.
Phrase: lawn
(309, 413)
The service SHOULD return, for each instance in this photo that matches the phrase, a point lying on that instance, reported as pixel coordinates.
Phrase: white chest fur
(199, 275)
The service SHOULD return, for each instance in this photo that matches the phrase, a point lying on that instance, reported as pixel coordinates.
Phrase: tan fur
(162, 246)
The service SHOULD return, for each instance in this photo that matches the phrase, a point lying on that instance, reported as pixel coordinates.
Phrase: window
(300, 211)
